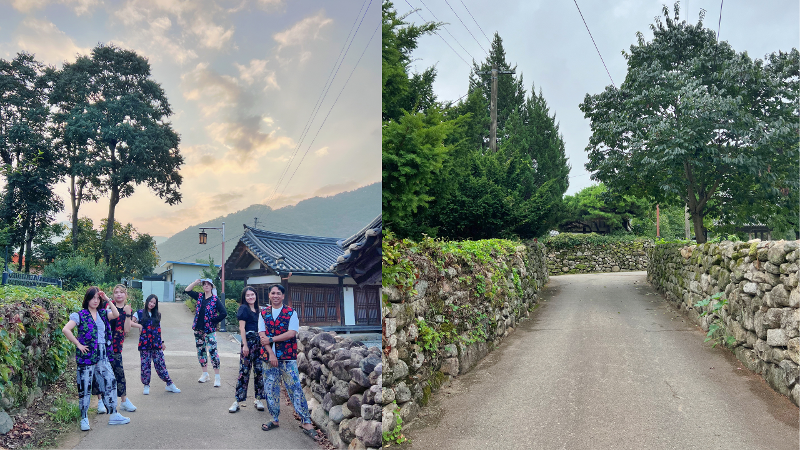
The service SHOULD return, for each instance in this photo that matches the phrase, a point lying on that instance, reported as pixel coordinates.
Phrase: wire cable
(595, 44)
(445, 29)
(465, 26)
(209, 248)
(323, 94)
(331, 109)
(417, 10)
(476, 22)
(719, 24)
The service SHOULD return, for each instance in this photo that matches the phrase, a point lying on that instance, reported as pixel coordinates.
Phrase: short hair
(90, 293)
(120, 286)
(244, 292)
(280, 287)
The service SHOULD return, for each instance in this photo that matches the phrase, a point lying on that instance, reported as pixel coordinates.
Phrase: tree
(597, 203)
(28, 201)
(699, 124)
(122, 115)
(130, 253)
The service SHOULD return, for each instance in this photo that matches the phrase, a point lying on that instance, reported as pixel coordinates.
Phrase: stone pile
(591, 258)
(759, 280)
(342, 381)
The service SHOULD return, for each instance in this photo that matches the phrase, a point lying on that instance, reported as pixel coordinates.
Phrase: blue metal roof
(296, 253)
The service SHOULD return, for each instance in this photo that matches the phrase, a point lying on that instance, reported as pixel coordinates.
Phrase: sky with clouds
(551, 48)
(243, 78)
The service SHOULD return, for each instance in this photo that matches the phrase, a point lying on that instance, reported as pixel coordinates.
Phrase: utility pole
(255, 219)
(493, 129)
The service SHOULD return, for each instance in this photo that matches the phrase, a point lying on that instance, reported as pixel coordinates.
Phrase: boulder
(777, 338)
(339, 393)
(354, 403)
(369, 432)
(336, 414)
(368, 364)
(6, 422)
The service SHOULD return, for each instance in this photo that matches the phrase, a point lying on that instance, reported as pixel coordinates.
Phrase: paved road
(605, 363)
(197, 417)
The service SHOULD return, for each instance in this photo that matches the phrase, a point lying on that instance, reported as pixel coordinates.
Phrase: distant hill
(339, 216)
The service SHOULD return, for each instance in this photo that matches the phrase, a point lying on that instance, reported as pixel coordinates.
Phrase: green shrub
(77, 271)
(191, 304)
(232, 306)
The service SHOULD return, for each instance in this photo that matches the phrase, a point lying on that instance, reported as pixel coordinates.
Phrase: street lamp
(204, 240)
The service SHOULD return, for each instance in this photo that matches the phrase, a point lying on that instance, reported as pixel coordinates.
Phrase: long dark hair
(148, 315)
(90, 293)
(242, 301)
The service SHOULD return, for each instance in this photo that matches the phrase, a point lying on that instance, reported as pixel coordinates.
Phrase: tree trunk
(75, 201)
(28, 252)
(20, 256)
(112, 204)
(699, 230)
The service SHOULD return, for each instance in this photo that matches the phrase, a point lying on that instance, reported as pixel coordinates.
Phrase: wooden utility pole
(493, 129)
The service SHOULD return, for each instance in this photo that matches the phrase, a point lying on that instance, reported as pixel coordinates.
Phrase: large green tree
(697, 123)
(122, 114)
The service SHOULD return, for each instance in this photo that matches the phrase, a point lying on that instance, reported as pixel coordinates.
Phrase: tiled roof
(296, 253)
(357, 245)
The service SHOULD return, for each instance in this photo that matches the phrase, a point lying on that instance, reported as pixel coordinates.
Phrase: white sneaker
(259, 405)
(101, 407)
(85, 424)
(234, 407)
(127, 406)
(203, 378)
(118, 419)
(147, 390)
(216, 381)
(172, 388)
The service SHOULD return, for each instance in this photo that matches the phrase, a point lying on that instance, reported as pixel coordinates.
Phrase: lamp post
(204, 240)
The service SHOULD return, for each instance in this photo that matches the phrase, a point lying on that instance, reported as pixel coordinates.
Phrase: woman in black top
(251, 348)
(209, 311)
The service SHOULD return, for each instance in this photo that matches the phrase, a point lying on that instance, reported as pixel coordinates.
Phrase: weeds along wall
(341, 379)
(445, 306)
(592, 253)
(745, 295)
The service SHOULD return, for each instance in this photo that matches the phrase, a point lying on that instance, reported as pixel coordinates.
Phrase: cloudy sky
(549, 43)
(242, 77)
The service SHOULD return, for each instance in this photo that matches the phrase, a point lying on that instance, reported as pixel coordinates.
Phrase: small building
(181, 272)
(302, 264)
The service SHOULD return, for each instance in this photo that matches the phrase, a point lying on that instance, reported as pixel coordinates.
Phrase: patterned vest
(150, 336)
(284, 350)
(210, 313)
(87, 335)
(118, 331)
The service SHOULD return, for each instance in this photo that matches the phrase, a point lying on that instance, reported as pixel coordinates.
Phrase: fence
(24, 279)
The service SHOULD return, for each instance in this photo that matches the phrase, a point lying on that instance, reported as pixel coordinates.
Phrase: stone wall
(759, 281)
(341, 379)
(589, 257)
(463, 306)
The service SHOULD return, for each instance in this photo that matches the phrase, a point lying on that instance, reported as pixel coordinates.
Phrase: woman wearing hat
(208, 313)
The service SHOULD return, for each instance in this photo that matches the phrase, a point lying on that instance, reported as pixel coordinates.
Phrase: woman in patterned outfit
(151, 347)
(208, 312)
(94, 348)
(119, 328)
(277, 328)
(251, 350)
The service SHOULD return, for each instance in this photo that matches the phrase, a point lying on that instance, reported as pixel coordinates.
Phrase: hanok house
(302, 264)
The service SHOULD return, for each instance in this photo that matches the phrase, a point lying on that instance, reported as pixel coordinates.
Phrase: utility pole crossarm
(494, 72)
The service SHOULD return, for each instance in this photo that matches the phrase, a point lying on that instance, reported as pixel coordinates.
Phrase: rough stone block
(791, 322)
(793, 349)
(6, 422)
(402, 393)
(776, 254)
(319, 417)
(450, 366)
(778, 296)
(750, 288)
(794, 298)
(777, 338)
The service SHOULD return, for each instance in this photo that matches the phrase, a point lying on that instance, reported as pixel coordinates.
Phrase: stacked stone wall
(341, 379)
(759, 281)
(459, 311)
(596, 258)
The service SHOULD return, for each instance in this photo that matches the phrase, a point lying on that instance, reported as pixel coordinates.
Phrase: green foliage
(680, 130)
(569, 240)
(232, 306)
(191, 304)
(717, 332)
(429, 338)
(396, 433)
(397, 270)
(597, 203)
(77, 271)
(66, 410)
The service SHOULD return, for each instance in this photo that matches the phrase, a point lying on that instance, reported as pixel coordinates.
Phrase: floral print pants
(157, 356)
(119, 375)
(203, 340)
(286, 370)
(106, 382)
(245, 362)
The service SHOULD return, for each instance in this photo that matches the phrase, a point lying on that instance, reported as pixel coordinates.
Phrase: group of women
(269, 348)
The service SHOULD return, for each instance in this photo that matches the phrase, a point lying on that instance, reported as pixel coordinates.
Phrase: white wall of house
(184, 273)
(349, 306)
(266, 279)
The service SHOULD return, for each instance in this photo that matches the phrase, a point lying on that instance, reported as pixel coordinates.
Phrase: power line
(328, 83)
(416, 10)
(331, 109)
(445, 29)
(719, 24)
(209, 248)
(476, 22)
(595, 44)
(465, 26)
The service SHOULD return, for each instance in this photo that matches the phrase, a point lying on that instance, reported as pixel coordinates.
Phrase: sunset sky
(242, 78)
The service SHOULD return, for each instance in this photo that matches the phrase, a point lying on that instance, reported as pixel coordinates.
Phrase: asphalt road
(198, 416)
(606, 363)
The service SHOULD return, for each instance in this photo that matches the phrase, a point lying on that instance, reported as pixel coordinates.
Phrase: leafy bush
(77, 271)
(568, 240)
(191, 304)
(232, 306)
